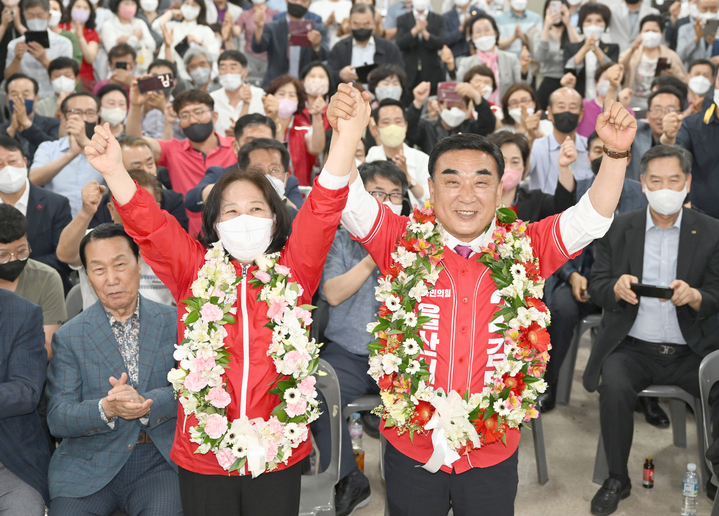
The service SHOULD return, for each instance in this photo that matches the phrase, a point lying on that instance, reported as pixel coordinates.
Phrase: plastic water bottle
(356, 435)
(690, 490)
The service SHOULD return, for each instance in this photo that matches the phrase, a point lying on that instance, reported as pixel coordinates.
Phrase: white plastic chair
(73, 302)
(566, 372)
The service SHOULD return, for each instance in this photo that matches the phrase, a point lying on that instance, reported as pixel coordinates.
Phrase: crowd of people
(139, 137)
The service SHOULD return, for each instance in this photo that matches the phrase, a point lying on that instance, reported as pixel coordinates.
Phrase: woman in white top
(124, 27)
(187, 22)
(521, 113)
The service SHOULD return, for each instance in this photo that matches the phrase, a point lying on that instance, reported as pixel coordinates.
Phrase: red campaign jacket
(302, 160)
(176, 258)
(458, 346)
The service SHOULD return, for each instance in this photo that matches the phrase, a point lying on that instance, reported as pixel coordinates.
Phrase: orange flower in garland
(534, 337)
(489, 430)
(533, 302)
(532, 271)
(515, 383)
(393, 272)
(423, 412)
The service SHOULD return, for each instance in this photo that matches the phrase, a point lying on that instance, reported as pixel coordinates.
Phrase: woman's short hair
(212, 210)
(483, 70)
(115, 4)
(382, 72)
(480, 16)
(593, 8)
(508, 137)
(280, 81)
(319, 64)
(514, 88)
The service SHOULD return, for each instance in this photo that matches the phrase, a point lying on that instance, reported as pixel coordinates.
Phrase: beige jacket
(630, 59)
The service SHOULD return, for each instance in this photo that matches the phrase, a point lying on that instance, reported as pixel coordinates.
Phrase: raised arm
(68, 248)
(133, 126)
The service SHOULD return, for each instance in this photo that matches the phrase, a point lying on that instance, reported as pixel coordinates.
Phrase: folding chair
(73, 302)
(566, 372)
(708, 376)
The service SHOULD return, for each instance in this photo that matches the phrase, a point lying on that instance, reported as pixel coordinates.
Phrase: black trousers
(276, 493)
(631, 368)
(412, 490)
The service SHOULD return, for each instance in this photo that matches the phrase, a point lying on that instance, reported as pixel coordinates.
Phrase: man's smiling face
(465, 191)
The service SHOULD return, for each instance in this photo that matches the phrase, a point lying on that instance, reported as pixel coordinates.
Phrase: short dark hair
(601, 69)
(666, 90)
(667, 151)
(233, 55)
(60, 63)
(11, 144)
(698, 62)
(63, 106)
(164, 62)
(466, 142)
(593, 8)
(192, 96)
(514, 88)
(280, 81)
(656, 18)
(147, 180)
(385, 103)
(107, 88)
(484, 71)
(474, 19)
(507, 137)
(664, 81)
(133, 141)
(319, 64)
(103, 232)
(254, 119)
(361, 7)
(382, 72)
(243, 156)
(13, 224)
(386, 169)
(17, 77)
(120, 50)
(29, 4)
(67, 15)
(211, 212)
(591, 138)
(115, 4)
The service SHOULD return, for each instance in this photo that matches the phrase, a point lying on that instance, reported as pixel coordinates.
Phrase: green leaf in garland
(506, 215)
(238, 464)
(192, 317)
(229, 319)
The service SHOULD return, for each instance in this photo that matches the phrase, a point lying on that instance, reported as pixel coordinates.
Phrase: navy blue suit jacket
(341, 55)
(453, 37)
(193, 198)
(47, 215)
(23, 365)
(43, 129)
(274, 41)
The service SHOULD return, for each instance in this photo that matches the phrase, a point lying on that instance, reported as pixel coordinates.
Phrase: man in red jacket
(461, 345)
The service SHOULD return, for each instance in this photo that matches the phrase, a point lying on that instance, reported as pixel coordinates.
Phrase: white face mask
(63, 84)
(245, 237)
(396, 208)
(518, 5)
(699, 84)
(388, 92)
(54, 18)
(231, 81)
(12, 179)
(485, 43)
(420, 5)
(461, 3)
(277, 184)
(189, 12)
(574, 2)
(516, 113)
(200, 75)
(486, 91)
(113, 116)
(452, 117)
(94, 2)
(602, 88)
(651, 39)
(36, 25)
(595, 31)
(666, 202)
(149, 5)
(707, 16)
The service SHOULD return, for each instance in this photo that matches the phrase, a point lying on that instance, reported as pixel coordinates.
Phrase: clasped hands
(124, 401)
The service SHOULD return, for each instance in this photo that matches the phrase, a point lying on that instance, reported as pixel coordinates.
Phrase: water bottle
(356, 435)
(690, 490)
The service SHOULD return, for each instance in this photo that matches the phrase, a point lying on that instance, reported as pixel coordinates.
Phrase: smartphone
(182, 47)
(446, 92)
(121, 64)
(38, 37)
(155, 83)
(663, 63)
(642, 290)
(363, 71)
(710, 27)
(555, 7)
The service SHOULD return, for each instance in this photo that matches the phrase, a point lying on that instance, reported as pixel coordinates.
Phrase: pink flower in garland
(216, 426)
(263, 276)
(307, 386)
(281, 269)
(271, 451)
(225, 458)
(276, 308)
(297, 408)
(304, 315)
(211, 313)
(276, 426)
(218, 397)
(195, 382)
(201, 364)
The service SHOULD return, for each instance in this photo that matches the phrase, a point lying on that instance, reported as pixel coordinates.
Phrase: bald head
(565, 96)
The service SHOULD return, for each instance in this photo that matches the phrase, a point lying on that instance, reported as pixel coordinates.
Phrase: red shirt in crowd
(301, 161)
(87, 72)
(187, 167)
(176, 259)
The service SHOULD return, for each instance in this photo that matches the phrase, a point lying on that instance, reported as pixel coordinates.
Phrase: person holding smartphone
(696, 40)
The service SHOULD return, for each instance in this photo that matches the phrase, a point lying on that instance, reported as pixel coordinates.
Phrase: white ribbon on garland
(256, 457)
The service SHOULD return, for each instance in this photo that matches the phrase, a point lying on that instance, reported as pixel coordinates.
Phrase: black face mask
(632, 2)
(566, 122)
(296, 10)
(198, 132)
(11, 270)
(361, 35)
(596, 164)
(90, 129)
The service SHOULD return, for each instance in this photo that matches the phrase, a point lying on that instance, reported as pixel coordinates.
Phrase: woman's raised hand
(355, 126)
(104, 152)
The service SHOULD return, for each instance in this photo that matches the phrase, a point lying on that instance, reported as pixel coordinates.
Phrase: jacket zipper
(245, 342)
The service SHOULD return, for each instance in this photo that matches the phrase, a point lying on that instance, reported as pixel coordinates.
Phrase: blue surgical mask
(29, 105)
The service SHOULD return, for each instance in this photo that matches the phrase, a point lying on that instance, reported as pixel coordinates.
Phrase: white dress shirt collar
(21, 203)
(477, 244)
(651, 224)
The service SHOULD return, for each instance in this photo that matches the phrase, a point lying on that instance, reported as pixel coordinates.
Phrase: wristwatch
(616, 155)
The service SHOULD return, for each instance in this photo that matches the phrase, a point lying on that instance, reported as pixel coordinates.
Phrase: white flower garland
(203, 359)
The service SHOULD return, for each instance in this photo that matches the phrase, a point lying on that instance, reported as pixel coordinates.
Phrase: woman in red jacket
(305, 139)
(241, 292)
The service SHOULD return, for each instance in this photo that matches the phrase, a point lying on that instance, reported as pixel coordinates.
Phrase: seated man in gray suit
(108, 395)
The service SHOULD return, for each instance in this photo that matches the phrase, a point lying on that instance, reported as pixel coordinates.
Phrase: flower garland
(203, 359)
(470, 420)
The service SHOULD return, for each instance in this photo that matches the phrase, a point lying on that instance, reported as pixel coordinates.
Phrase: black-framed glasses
(396, 198)
(23, 254)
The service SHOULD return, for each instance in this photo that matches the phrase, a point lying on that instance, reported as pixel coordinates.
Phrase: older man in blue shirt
(514, 24)
(61, 166)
